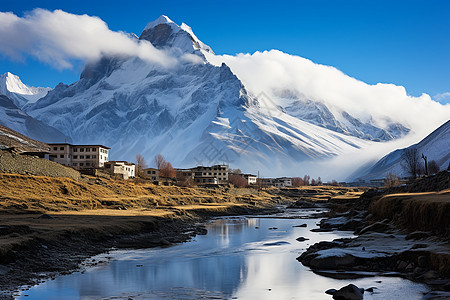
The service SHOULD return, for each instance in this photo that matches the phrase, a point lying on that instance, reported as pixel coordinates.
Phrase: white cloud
(443, 97)
(58, 38)
(272, 71)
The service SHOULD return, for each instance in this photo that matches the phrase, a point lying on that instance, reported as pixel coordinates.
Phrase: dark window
(75, 164)
(94, 156)
(75, 157)
(88, 164)
(61, 148)
(81, 156)
(81, 164)
(88, 156)
(75, 150)
(94, 149)
(55, 148)
(61, 156)
(81, 149)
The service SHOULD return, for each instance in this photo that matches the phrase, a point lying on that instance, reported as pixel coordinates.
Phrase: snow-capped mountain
(436, 146)
(202, 112)
(13, 117)
(12, 87)
(163, 33)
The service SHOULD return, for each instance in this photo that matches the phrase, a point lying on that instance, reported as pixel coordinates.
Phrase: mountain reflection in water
(239, 258)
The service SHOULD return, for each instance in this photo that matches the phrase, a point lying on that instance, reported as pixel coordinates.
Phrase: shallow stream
(239, 258)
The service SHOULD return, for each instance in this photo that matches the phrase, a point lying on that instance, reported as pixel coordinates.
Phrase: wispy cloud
(60, 38)
(444, 98)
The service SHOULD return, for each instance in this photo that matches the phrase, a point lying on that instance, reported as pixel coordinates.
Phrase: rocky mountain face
(16, 119)
(197, 112)
(436, 146)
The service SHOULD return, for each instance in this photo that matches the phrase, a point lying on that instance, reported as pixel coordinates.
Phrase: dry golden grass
(417, 211)
(21, 193)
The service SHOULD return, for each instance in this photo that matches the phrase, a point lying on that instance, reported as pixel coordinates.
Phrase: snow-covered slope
(436, 146)
(13, 117)
(202, 112)
(12, 87)
(163, 33)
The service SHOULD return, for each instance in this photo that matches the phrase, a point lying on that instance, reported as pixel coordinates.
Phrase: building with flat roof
(251, 179)
(123, 168)
(205, 174)
(277, 182)
(151, 173)
(79, 156)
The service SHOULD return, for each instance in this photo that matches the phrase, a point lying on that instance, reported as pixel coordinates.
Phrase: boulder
(332, 262)
(301, 239)
(302, 225)
(349, 292)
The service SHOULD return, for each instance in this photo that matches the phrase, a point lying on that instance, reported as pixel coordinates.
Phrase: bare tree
(391, 180)
(333, 183)
(140, 164)
(410, 161)
(433, 167)
(167, 171)
(237, 180)
(159, 161)
(306, 179)
(297, 181)
(426, 164)
(319, 181)
(235, 171)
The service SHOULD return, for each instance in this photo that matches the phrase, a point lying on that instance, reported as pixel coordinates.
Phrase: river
(239, 258)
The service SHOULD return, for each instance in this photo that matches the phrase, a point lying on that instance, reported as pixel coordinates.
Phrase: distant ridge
(436, 146)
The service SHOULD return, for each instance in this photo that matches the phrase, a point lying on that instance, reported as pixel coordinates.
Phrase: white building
(277, 182)
(79, 156)
(251, 179)
(126, 169)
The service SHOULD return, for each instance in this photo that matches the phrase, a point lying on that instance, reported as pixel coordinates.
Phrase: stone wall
(29, 165)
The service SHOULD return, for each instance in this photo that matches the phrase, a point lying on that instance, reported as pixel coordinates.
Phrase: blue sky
(402, 42)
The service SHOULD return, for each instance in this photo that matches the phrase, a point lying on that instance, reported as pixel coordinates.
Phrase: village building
(277, 182)
(217, 174)
(122, 168)
(79, 156)
(251, 179)
(151, 173)
(184, 175)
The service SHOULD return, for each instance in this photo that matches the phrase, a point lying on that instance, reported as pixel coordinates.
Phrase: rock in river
(349, 292)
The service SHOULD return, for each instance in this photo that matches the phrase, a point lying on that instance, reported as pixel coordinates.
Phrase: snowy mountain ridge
(16, 119)
(12, 87)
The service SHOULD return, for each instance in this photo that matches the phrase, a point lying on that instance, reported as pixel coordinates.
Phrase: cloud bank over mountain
(282, 77)
(59, 38)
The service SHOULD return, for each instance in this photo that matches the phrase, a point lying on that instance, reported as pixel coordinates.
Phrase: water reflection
(243, 258)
